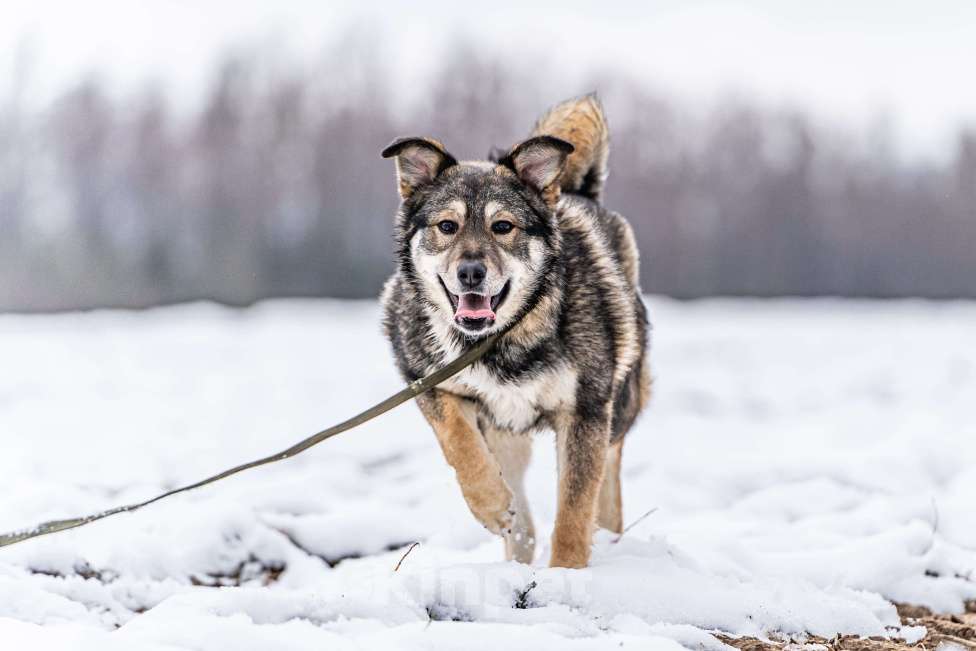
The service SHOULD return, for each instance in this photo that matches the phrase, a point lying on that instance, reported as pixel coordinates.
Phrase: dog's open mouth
(475, 311)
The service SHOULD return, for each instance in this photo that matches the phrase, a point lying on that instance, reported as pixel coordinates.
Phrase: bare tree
(275, 187)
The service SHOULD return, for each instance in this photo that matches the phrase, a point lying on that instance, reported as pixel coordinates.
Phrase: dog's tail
(580, 121)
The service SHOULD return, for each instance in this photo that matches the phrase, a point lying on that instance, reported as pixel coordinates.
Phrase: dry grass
(957, 629)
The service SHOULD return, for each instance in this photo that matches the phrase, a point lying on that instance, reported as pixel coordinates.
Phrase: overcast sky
(913, 61)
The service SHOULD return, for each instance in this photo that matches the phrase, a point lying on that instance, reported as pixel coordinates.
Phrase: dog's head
(476, 238)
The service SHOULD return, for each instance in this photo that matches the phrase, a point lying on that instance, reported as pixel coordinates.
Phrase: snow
(810, 463)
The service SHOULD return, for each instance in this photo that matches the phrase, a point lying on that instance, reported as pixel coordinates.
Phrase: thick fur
(572, 356)
(580, 122)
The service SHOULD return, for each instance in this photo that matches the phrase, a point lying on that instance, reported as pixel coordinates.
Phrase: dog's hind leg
(609, 506)
(513, 452)
(628, 405)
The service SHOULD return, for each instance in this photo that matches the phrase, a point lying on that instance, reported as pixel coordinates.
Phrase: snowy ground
(810, 462)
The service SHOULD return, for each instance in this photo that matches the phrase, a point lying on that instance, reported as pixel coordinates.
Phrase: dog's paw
(520, 544)
(493, 506)
(572, 551)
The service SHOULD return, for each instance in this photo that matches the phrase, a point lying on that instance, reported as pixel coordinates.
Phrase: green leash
(412, 390)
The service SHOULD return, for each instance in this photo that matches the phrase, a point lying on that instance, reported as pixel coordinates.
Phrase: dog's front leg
(478, 472)
(582, 442)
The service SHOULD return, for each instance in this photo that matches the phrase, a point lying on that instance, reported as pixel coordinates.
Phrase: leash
(412, 390)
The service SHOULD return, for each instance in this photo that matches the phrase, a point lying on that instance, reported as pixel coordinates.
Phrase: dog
(521, 245)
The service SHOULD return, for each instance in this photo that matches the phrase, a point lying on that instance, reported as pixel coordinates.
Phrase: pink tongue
(474, 306)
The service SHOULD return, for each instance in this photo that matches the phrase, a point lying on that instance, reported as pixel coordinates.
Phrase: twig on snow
(633, 524)
(405, 554)
(522, 597)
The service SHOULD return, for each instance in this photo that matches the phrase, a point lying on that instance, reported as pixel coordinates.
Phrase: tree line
(272, 185)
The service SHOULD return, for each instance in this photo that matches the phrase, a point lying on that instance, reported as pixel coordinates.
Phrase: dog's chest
(517, 405)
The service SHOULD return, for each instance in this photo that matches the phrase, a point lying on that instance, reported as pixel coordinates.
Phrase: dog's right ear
(418, 162)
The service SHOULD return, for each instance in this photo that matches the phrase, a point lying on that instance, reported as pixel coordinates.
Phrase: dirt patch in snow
(939, 630)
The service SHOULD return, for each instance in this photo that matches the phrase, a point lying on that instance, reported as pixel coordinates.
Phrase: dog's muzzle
(475, 311)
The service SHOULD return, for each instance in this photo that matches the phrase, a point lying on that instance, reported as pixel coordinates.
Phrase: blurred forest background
(273, 186)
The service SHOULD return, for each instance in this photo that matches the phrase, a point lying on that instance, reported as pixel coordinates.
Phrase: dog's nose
(471, 273)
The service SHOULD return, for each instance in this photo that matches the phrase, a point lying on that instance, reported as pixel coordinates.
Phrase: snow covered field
(811, 462)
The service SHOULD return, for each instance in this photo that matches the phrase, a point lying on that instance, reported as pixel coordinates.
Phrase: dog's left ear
(418, 162)
(539, 162)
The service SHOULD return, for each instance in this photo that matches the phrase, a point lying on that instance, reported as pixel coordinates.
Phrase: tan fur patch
(534, 326)
(579, 488)
(610, 504)
(491, 208)
(551, 194)
(572, 535)
(645, 381)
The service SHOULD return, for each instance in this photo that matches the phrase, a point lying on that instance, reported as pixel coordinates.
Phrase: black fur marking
(591, 185)
(496, 154)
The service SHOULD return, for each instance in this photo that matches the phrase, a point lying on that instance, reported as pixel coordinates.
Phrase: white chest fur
(517, 405)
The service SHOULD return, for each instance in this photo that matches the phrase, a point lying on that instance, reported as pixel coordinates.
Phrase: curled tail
(580, 121)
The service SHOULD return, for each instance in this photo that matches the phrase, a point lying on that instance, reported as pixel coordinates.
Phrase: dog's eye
(447, 227)
(501, 227)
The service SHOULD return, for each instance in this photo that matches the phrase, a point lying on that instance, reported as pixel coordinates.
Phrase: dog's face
(477, 235)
